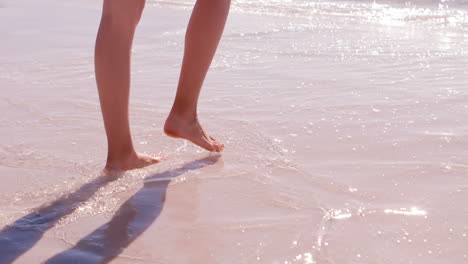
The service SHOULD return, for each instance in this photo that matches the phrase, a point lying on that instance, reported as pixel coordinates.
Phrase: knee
(223, 4)
(122, 13)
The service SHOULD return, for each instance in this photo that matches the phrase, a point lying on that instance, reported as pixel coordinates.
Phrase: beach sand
(345, 141)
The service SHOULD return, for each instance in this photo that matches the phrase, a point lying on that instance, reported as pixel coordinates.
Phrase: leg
(201, 40)
(112, 67)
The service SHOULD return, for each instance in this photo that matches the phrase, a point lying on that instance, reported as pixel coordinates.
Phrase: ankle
(187, 115)
(184, 109)
(121, 155)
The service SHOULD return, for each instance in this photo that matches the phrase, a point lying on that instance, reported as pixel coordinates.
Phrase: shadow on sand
(106, 242)
(23, 234)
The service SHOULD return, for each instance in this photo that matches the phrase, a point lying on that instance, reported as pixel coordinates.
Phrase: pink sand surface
(346, 142)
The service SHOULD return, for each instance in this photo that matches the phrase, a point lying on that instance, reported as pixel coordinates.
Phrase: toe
(218, 146)
(154, 160)
(206, 144)
(162, 157)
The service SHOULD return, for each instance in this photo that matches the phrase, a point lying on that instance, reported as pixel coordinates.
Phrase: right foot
(191, 130)
(134, 161)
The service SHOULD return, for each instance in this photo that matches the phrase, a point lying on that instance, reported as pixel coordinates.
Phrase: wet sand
(345, 142)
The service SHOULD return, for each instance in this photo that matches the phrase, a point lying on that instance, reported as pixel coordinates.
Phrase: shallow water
(343, 124)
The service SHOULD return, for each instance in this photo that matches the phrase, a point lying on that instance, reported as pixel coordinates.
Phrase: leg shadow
(129, 222)
(24, 233)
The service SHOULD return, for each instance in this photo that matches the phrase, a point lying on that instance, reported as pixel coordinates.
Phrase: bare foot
(133, 161)
(191, 129)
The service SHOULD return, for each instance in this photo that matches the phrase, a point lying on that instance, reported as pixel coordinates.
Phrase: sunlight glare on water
(413, 211)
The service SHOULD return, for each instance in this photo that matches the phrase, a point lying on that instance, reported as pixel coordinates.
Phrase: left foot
(133, 161)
